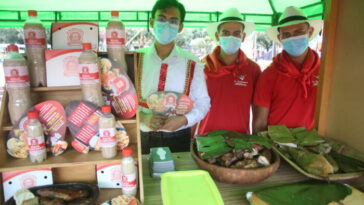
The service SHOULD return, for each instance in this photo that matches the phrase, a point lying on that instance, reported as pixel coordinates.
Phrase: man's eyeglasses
(172, 21)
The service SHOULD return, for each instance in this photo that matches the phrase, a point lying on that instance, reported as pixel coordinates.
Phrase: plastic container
(89, 76)
(115, 40)
(35, 138)
(35, 41)
(17, 84)
(107, 133)
(189, 187)
(129, 172)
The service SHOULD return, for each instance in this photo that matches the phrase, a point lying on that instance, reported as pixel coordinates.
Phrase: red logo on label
(28, 181)
(74, 37)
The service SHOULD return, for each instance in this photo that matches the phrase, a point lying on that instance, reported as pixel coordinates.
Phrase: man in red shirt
(286, 91)
(230, 76)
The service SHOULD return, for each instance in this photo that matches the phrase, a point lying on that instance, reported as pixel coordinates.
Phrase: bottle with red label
(129, 172)
(107, 133)
(115, 40)
(17, 84)
(35, 41)
(35, 138)
(89, 76)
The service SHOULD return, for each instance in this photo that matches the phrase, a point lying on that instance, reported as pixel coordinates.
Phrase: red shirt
(231, 92)
(289, 91)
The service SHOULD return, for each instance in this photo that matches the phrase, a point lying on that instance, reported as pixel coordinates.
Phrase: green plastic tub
(194, 187)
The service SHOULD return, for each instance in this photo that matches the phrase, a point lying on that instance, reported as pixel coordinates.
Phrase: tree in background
(264, 41)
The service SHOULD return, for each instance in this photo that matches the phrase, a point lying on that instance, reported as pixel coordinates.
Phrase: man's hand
(260, 119)
(173, 123)
(153, 121)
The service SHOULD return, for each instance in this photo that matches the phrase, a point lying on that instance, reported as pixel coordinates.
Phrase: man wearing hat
(286, 91)
(165, 67)
(230, 75)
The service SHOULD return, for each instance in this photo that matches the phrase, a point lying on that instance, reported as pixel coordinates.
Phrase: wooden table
(231, 194)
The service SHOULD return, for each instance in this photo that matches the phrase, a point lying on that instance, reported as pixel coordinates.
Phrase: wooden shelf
(57, 88)
(69, 158)
(8, 126)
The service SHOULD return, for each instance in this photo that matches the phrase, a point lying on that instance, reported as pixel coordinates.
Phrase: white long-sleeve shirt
(175, 81)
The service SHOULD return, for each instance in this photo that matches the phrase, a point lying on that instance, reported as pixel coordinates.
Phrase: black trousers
(178, 141)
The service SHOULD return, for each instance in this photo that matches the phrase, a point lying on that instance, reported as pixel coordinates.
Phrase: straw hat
(230, 15)
(291, 16)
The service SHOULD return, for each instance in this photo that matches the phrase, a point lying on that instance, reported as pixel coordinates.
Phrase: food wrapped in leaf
(308, 138)
(347, 164)
(280, 134)
(211, 147)
(313, 163)
(346, 150)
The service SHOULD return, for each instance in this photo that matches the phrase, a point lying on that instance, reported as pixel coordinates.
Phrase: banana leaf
(212, 147)
(313, 163)
(263, 134)
(296, 130)
(323, 148)
(303, 193)
(260, 140)
(309, 138)
(240, 143)
(209, 141)
(217, 132)
(280, 134)
(216, 152)
(334, 164)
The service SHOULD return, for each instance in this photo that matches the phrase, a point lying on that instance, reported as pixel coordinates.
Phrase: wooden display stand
(71, 166)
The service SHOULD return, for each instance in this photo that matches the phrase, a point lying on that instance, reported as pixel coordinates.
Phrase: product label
(86, 133)
(16, 76)
(89, 73)
(36, 145)
(35, 37)
(125, 105)
(80, 114)
(129, 181)
(107, 137)
(119, 85)
(115, 38)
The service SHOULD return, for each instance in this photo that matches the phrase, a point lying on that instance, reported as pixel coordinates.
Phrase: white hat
(293, 15)
(230, 15)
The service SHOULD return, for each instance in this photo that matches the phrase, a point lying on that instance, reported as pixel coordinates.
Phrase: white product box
(72, 35)
(24, 179)
(62, 67)
(109, 175)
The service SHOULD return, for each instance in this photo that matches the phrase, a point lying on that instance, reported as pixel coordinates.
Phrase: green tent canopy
(135, 13)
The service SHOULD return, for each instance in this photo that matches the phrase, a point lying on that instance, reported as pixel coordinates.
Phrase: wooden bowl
(233, 175)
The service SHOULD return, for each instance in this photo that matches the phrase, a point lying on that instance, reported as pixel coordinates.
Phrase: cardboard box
(24, 179)
(72, 35)
(62, 67)
(109, 175)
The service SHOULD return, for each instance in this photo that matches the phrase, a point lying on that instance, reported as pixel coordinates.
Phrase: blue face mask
(295, 46)
(165, 32)
(230, 44)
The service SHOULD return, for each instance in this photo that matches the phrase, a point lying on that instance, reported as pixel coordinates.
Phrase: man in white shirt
(166, 67)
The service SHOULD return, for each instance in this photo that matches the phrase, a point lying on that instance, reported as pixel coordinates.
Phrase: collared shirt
(175, 81)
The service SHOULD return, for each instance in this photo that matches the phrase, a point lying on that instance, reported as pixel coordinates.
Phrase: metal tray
(330, 177)
(92, 189)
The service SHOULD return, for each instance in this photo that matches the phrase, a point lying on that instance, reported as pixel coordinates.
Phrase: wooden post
(326, 67)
